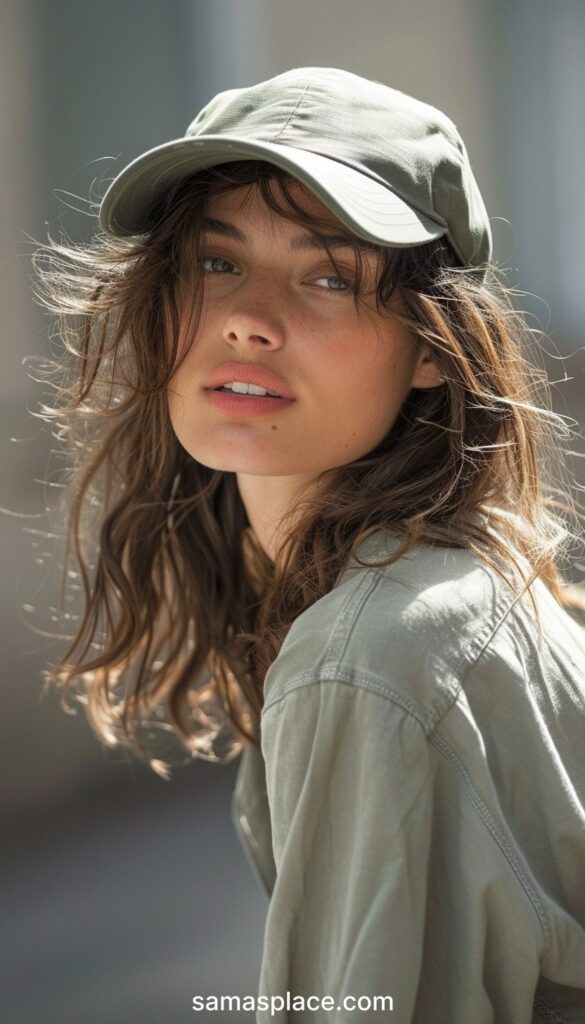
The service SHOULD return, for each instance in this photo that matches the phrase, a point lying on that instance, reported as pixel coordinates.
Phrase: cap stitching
(291, 115)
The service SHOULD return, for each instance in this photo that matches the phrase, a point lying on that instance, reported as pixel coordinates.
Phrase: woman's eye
(209, 264)
(336, 284)
(333, 283)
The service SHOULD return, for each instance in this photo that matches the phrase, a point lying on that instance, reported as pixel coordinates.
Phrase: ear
(426, 372)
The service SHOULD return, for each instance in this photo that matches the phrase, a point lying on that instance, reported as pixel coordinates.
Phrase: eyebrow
(299, 243)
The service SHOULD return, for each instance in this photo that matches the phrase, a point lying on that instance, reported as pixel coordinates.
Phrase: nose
(253, 323)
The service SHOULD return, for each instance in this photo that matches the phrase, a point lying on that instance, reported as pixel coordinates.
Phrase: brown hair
(183, 610)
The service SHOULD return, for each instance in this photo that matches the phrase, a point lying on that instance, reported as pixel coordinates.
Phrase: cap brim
(366, 206)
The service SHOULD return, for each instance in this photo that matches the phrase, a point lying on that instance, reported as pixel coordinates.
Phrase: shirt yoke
(411, 630)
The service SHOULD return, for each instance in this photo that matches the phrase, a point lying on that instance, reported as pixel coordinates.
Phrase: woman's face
(273, 300)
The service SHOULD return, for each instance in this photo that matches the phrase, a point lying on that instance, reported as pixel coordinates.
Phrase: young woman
(314, 510)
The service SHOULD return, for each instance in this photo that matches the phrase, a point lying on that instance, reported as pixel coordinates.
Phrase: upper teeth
(248, 389)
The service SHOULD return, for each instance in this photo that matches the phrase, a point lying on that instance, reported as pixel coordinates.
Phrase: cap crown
(409, 146)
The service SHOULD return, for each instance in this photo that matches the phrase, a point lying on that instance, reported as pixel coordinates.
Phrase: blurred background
(125, 895)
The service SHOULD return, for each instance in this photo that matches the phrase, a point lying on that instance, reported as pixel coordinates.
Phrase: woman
(312, 513)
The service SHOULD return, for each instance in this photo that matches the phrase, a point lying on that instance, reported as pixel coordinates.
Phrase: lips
(247, 373)
(243, 406)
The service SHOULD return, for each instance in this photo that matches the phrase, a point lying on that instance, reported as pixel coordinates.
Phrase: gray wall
(126, 893)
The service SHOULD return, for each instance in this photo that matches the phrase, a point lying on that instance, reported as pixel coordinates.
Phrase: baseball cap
(392, 168)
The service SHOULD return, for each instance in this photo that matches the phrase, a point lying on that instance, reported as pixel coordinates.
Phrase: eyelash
(337, 292)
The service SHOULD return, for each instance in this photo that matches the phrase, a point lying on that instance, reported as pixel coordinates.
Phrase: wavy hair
(183, 611)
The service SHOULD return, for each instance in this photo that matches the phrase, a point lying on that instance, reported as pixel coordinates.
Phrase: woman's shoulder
(412, 629)
(433, 599)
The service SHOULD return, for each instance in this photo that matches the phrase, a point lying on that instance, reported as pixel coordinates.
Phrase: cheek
(375, 369)
(374, 392)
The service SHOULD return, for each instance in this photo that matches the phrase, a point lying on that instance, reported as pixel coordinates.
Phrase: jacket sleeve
(350, 785)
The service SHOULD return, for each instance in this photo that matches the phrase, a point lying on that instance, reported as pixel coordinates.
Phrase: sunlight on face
(283, 307)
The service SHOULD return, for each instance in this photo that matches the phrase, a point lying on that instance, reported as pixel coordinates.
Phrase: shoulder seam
(344, 625)
(501, 613)
(333, 670)
(358, 682)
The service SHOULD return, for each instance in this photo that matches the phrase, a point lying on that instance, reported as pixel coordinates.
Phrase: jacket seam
(364, 682)
(499, 837)
(502, 610)
(501, 613)
(369, 584)
(356, 603)
(308, 678)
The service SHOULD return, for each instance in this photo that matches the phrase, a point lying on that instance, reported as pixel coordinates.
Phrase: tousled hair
(184, 611)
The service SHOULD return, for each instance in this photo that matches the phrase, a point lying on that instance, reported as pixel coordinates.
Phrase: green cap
(393, 169)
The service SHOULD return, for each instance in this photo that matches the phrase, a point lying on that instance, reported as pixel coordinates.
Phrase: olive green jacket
(417, 813)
